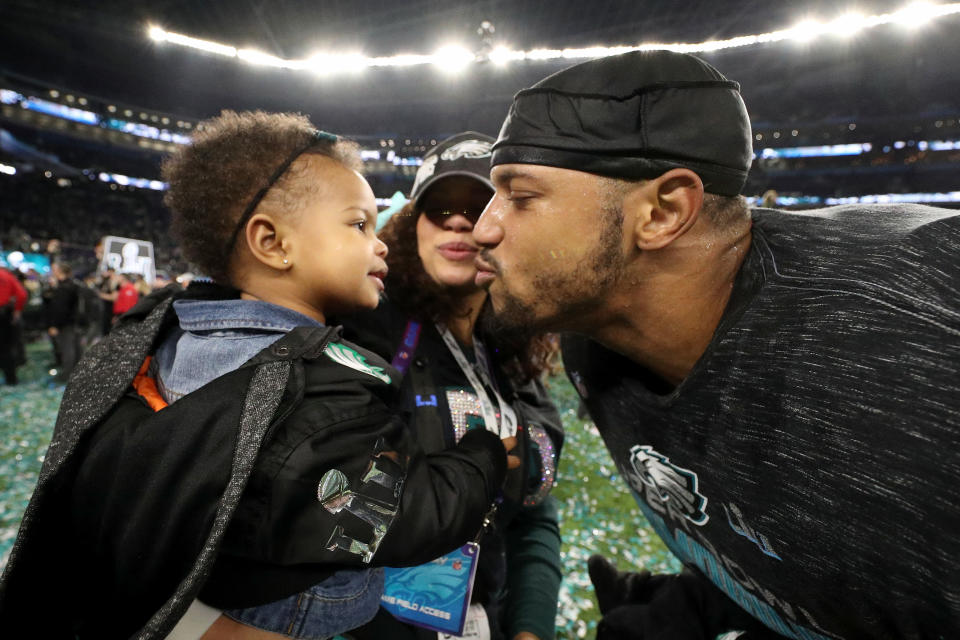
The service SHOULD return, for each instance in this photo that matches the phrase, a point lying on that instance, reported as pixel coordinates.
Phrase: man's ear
(668, 207)
(266, 241)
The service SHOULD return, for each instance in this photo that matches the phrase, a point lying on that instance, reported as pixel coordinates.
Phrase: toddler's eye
(361, 225)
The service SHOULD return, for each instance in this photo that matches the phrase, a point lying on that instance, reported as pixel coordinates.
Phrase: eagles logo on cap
(467, 149)
(465, 154)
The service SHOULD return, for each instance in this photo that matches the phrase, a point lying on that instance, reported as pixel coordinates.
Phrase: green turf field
(27, 414)
(597, 513)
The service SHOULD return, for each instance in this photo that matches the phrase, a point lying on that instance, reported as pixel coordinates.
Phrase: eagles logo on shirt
(667, 488)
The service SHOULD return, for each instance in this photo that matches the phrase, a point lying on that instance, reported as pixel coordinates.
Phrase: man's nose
(488, 231)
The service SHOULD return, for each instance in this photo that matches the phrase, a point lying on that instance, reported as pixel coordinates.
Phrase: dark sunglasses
(317, 136)
(438, 215)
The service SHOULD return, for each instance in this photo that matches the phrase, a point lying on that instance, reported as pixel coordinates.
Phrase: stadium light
(263, 59)
(593, 52)
(911, 16)
(914, 15)
(502, 55)
(162, 35)
(403, 60)
(453, 58)
(806, 31)
(8, 170)
(846, 25)
(331, 63)
(544, 54)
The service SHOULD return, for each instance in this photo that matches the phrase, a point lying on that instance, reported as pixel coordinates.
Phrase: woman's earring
(285, 261)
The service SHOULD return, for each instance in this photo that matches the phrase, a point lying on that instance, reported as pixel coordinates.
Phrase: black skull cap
(634, 115)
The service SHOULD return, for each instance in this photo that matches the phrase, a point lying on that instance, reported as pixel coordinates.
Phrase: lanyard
(411, 336)
(507, 425)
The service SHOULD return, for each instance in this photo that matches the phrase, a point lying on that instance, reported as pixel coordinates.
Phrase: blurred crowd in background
(73, 305)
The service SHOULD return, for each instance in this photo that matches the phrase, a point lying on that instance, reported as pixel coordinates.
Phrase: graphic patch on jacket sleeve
(375, 501)
(346, 356)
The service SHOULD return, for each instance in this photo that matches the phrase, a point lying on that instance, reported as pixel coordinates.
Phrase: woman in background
(458, 377)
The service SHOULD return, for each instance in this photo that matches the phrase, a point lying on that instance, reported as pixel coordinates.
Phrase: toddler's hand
(509, 444)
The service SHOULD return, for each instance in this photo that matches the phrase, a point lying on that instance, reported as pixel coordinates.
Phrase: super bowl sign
(128, 255)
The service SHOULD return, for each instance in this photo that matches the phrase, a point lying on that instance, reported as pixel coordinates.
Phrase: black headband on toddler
(316, 136)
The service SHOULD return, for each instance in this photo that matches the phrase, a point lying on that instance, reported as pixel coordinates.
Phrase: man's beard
(575, 293)
(512, 325)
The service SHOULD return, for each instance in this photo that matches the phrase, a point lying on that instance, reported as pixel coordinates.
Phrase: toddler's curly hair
(231, 158)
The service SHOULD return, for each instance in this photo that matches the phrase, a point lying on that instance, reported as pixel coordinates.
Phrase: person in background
(185, 278)
(161, 280)
(54, 250)
(62, 308)
(429, 325)
(107, 285)
(769, 199)
(13, 297)
(90, 317)
(123, 297)
(141, 285)
(779, 390)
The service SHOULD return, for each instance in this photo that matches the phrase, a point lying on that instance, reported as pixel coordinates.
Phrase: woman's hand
(509, 444)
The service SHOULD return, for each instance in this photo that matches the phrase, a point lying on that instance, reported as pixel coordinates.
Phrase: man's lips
(486, 272)
(457, 251)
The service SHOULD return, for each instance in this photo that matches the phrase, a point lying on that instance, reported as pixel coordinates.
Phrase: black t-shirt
(808, 465)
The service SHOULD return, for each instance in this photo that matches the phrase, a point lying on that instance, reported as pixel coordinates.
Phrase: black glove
(682, 606)
(615, 588)
(641, 606)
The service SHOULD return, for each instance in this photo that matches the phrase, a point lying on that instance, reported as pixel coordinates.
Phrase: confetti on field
(597, 513)
(27, 414)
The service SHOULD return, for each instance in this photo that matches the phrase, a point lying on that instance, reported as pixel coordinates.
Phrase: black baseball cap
(465, 154)
(634, 115)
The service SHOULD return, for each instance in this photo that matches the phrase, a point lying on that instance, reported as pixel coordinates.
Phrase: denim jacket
(217, 336)
(214, 338)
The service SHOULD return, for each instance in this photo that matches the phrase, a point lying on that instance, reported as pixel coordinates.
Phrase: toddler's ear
(265, 241)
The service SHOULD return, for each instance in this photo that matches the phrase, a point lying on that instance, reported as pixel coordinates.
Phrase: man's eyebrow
(505, 176)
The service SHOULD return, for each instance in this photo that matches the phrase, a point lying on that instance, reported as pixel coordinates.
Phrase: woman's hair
(232, 157)
(415, 293)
